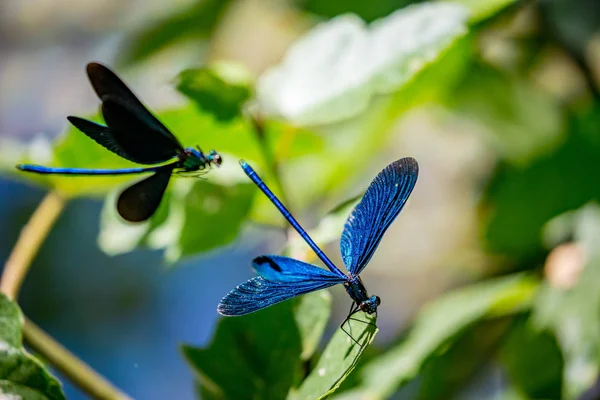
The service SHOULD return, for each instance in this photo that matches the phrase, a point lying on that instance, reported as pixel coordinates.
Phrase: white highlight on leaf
(5, 347)
(332, 72)
(9, 396)
(322, 371)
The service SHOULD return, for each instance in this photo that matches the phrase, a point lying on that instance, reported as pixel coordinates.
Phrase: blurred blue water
(126, 315)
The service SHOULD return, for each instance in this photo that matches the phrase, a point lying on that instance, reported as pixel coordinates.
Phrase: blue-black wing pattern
(378, 208)
(282, 278)
(258, 293)
(286, 270)
(107, 84)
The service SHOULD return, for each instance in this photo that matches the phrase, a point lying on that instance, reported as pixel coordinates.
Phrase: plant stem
(72, 367)
(29, 242)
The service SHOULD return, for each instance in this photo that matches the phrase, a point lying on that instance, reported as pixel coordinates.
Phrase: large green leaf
(573, 314)
(21, 375)
(260, 355)
(332, 73)
(338, 359)
(437, 325)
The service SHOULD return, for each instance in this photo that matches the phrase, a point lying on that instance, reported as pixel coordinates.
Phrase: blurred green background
(489, 278)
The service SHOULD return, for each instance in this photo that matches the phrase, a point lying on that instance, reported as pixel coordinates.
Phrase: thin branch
(29, 242)
(72, 367)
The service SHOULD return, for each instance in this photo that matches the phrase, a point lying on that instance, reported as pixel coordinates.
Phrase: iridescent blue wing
(109, 87)
(282, 278)
(378, 208)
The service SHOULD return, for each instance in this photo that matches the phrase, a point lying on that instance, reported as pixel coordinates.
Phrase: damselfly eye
(217, 160)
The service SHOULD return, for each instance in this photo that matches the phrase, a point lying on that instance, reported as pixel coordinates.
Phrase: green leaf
(338, 359)
(315, 85)
(220, 90)
(533, 361)
(438, 324)
(573, 314)
(11, 391)
(214, 215)
(188, 221)
(513, 199)
(311, 314)
(20, 373)
(195, 22)
(196, 216)
(259, 356)
(520, 122)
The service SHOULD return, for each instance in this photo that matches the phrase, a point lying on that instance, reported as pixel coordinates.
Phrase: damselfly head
(370, 306)
(215, 158)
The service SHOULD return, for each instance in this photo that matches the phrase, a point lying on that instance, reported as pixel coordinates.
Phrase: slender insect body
(357, 291)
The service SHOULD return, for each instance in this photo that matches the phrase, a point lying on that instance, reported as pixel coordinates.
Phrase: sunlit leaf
(351, 149)
(437, 324)
(331, 73)
(338, 359)
(20, 373)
